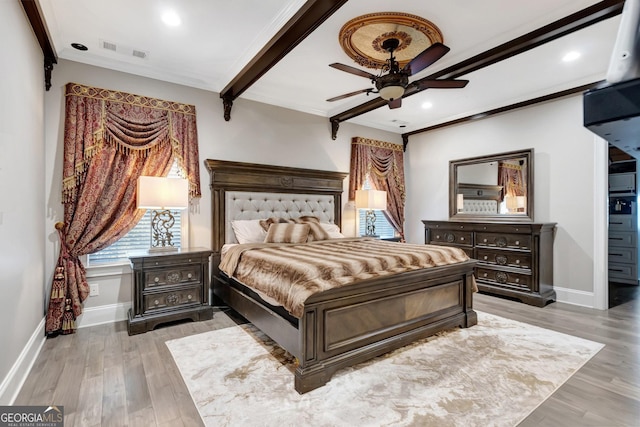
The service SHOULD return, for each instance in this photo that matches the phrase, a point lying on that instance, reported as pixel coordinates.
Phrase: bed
(339, 327)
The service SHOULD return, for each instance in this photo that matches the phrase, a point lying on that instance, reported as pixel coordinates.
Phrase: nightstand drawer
(452, 237)
(172, 299)
(502, 278)
(502, 257)
(516, 241)
(172, 276)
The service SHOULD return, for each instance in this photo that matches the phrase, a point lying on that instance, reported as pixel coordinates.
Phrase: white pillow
(332, 229)
(248, 231)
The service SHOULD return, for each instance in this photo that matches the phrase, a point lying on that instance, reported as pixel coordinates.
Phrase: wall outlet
(94, 290)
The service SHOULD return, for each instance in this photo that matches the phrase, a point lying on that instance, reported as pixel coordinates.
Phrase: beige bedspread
(290, 273)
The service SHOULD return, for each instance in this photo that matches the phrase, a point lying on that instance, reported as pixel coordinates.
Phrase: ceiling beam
(303, 23)
(40, 30)
(574, 22)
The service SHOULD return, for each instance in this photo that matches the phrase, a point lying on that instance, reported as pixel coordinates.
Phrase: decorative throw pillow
(265, 223)
(287, 233)
(248, 231)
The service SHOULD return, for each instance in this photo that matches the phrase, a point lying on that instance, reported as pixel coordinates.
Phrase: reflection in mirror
(495, 187)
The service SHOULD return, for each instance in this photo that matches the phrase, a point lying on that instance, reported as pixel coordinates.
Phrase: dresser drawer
(505, 279)
(172, 299)
(172, 276)
(452, 237)
(622, 223)
(516, 241)
(623, 271)
(620, 238)
(622, 254)
(502, 257)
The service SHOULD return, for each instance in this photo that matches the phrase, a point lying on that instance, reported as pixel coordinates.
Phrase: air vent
(124, 50)
(139, 54)
(109, 46)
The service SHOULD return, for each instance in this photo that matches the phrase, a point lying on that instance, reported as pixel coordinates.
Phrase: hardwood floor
(104, 377)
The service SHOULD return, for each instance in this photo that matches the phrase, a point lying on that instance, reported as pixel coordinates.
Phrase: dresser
(515, 260)
(169, 286)
(623, 223)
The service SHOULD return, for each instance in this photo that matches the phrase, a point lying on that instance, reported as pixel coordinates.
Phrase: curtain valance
(133, 124)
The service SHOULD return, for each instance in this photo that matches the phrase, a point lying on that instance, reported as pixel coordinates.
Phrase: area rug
(492, 374)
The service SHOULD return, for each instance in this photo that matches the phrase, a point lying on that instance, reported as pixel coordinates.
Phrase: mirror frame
(453, 187)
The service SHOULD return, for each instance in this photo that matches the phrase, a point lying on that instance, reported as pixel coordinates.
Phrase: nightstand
(169, 286)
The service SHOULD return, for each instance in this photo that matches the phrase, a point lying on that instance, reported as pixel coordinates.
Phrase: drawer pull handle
(615, 254)
(438, 236)
(517, 280)
(517, 261)
(485, 274)
(517, 242)
(485, 240)
(486, 257)
(189, 259)
(156, 262)
(189, 297)
(156, 302)
(616, 269)
(156, 279)
(619, 223)
(616, 238)
(462, 239)
(189, 275)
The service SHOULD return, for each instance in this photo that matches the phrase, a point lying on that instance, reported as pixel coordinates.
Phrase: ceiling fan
(393, 85)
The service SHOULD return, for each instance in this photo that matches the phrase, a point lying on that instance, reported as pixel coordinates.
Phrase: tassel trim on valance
(375, 143)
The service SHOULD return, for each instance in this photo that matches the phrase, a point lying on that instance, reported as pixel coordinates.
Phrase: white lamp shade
(521, 201)
(460, 202)
(371, 199)
(162, 193)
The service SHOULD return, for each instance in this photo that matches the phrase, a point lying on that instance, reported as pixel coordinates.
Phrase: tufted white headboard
(254, 191)
(475, 206)
(255, 205)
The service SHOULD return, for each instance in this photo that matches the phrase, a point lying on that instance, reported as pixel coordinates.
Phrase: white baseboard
(103, 314)
(17, 375)
(575, 297)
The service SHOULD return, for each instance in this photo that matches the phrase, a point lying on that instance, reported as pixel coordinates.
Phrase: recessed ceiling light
(571, 56)
(79, 46)
(171, 18)
(427, 105)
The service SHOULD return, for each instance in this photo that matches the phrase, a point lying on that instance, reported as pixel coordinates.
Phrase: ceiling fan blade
(396, 103)
(352, 70)
(441, 84)
(426, 58)
(346, 95)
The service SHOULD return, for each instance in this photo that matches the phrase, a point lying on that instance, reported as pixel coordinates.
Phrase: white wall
(566, 173)
(256, 133)
(22, 236)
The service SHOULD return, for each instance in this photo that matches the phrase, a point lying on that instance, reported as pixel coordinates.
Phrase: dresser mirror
(497, 187)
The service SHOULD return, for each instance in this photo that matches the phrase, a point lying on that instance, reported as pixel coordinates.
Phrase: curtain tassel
(59, 284)
(68, 319)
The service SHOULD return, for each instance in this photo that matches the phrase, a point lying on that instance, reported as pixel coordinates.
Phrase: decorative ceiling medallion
(361, 38)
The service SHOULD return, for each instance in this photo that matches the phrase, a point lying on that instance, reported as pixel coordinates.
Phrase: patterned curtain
(110, 139)
(383, 163)
(511, 178)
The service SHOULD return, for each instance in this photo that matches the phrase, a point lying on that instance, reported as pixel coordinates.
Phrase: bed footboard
(343, 327)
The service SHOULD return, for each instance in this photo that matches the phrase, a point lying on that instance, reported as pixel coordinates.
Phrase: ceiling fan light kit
(398, 44)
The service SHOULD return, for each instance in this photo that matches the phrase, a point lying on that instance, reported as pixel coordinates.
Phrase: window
(139, 238)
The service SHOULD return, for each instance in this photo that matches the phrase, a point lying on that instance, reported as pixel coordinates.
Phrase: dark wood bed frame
(348, 325)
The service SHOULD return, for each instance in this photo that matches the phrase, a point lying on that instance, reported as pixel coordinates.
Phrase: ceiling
(217, 39)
